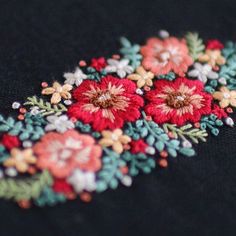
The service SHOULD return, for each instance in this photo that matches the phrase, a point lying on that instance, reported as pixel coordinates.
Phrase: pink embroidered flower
(106, 105)
(62, 153)
(163, 56)
(178, 101)
(214, 44)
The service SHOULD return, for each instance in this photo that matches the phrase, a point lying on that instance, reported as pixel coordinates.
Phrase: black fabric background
(39, 40)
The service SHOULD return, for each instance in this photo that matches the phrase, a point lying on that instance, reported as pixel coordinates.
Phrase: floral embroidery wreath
(113, 119)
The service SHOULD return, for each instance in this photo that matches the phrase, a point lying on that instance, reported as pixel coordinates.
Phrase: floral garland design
(115, 118)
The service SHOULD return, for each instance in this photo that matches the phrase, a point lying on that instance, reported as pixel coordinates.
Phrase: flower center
(177, 100)
(226, 95)
(103, 99)
(164, 56)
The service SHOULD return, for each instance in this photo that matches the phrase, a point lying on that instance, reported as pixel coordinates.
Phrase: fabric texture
(42, 40)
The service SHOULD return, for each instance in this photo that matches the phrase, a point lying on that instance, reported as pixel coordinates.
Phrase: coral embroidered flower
(115, 139)
(106, 104)
(178, 101)
(62, 153)
(214, 44)
(203, 72)
(98, 63)
(58, 91)
(20, 159)
(213, 58)
(226, 97)
(121, 67)
(163, 56)
(75, 78)
(142, 77)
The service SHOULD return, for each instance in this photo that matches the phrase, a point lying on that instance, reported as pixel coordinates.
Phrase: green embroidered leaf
(186, 132)
(195, 45)
(110, 174)
(212, 123)
(46, 107)
(138, 162)
(25, 189)
(130, 52)
(21, 128)
(170, 76)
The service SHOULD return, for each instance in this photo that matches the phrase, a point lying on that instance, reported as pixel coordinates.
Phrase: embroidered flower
(59, 123)
(213, 58)
(98, 63)
(62, 153)
(61, 186)
(10, 141)
(20, 159)
(82, 181)
(58, 91)
(138, 146)
(142, 77)
(106, 105)
(115, 139)
(163, 56)
(75, 78)
(121, 67)
(178, 101)
(219, 112)
(226, 97)
(214, 44)
(203, 72)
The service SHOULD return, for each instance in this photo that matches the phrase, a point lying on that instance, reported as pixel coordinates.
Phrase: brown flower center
(177, 100)
(103, 99)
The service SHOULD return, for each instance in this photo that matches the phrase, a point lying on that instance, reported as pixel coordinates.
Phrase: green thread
(170, 76)
(24, 130)
(212, 123)
(186, 131)
(131, 52)
(110, 174)
(195, 45)
(46, 107)
(25, 189)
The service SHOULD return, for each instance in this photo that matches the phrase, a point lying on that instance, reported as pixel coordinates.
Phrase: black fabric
(39, 40)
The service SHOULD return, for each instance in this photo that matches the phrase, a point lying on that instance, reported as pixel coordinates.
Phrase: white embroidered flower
(203, 72)
(120, 67)
(59, 123)
(82, 181)
(75, 78)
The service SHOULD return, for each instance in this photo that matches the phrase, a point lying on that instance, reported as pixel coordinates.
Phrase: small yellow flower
(114, 138)
(20, 159)
(212, 57)
(58, 91)
(142, 77)
(226, 97)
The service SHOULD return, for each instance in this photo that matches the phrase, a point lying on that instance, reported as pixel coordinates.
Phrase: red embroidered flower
(98, 63)
(219, 112)
(62, 153)
(61, 186)
(178, 101)
(163, 56)
(106, 105)
(138, 146)
(214, 44)
(10, 141)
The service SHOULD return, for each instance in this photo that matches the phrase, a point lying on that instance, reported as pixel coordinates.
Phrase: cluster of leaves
(25, 189)
(49, 198)
(86, 128)
(195, 45)
(170, 76)
(228, 71)
(46, 108)
(186, 132)
(157, 137)
(94, 74)
(138, 162)
(212, 123)
(110, 174)
(131, 52)
(23, 129)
